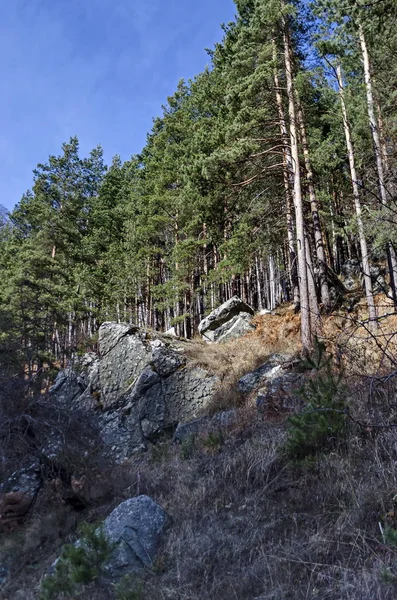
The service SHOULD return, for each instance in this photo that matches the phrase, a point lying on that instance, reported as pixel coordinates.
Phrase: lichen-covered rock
(135, 528)
(141, 386)
(166, 361)
(154, 405)
(76, 384)
(235, 328)
(68, 386)
(188, 392)
(274, 367)
(125, 351)
(223, 314)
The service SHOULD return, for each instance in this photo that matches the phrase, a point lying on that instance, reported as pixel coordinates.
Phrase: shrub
(79, 565)
(323, 420)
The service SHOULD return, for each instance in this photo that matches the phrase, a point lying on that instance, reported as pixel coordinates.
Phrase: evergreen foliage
(322, 423)
(79, 564)
(216, 204)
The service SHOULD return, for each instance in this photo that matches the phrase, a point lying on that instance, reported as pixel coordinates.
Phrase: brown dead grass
(359, 347)
(278, 333)
(246, 524)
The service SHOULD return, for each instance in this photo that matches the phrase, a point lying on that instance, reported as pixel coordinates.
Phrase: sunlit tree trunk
(306, 330)
(288, 169)
(378, 154)
(357, 202)
(318, 236)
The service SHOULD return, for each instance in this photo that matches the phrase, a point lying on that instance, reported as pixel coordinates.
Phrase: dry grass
(361, 348)
(278, 333)
(246, 524)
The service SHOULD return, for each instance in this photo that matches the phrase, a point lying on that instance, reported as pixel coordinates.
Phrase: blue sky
(98, 69)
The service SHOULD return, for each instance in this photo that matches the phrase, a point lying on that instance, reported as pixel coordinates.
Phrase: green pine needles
(322, 423)
(79, 565)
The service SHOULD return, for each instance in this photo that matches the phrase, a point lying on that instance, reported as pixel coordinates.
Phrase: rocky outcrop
(157, 402)
(17, 495)
(274, 367)
(140, 386)
(205, 425)
(276, 382)
(135, 528)
(124, 352)
(231, 320)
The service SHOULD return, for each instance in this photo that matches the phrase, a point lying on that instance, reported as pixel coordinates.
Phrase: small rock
(250, 381)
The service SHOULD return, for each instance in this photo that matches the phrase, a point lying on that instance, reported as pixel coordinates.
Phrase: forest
(263, 177)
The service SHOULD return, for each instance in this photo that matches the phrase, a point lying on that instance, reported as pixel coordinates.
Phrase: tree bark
(288, 169)
(357, 202)
(318, 236)
(306, 330)
(378, 155)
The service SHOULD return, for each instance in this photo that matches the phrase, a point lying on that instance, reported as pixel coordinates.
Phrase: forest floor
(247, 522)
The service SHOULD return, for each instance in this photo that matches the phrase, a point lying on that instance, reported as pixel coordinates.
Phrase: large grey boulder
(125, 351)
(135, 528)
(228, 321)
(140, 386)
(231, 330)
(157, 404)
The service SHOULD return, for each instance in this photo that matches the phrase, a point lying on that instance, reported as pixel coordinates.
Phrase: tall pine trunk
(287, 173)
(378, 155)
(357, 202)
(306, 329)
(318, 236)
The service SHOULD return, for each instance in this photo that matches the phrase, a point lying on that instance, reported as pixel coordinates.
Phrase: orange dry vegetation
(361, 347)
(348, 336)
(280, 332)
(277, 333)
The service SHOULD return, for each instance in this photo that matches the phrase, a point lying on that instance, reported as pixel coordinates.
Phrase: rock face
(134, 530)
(270, 370)
(135, 527)
(231, 320)
(140, 386)
(17, 494)
(218, 422)
(125, 352)
(275, 383)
